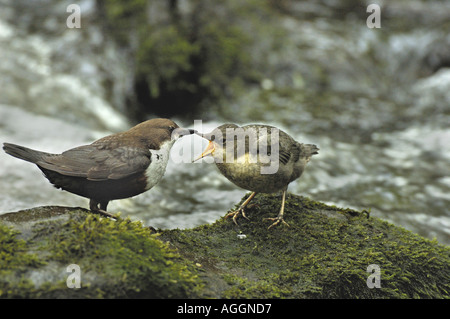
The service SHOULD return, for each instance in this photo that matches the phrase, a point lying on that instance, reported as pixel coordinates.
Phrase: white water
(383, 129)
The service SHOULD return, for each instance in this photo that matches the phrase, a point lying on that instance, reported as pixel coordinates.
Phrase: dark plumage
(259, 158)
(117, 166)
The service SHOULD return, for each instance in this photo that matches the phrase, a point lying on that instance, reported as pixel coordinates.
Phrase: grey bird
(117, 166)
(259, 158)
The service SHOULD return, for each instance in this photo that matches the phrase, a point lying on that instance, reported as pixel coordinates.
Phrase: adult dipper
(117, 166)
(259, 158)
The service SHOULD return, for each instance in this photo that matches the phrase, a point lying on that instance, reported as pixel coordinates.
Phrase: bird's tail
(23, 153)
(310, 149)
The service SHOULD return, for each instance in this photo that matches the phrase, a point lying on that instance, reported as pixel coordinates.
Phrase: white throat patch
(155, 171)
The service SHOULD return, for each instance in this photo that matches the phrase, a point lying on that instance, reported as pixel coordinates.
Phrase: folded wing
(95, 164)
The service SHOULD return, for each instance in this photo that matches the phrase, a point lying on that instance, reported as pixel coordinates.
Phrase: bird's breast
(159, 159)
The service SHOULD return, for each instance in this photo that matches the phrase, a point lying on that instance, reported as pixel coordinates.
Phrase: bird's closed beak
(186, 131)
(209, 149)
(201, 135)
(180, 131)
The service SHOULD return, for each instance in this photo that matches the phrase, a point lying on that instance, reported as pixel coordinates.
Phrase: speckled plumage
(245, 169)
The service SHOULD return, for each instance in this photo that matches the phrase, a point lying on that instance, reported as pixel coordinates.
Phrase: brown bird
(259, 158)
(117, 166)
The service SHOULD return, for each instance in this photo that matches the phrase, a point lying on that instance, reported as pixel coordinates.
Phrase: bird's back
(271, 161)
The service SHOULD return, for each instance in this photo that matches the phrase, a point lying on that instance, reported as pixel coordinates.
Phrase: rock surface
(116, 259)
(325, 253)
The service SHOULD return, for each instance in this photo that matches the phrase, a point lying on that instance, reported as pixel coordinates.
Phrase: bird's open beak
(209, 149)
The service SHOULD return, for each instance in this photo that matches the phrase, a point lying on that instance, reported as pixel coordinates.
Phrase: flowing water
(375, 101)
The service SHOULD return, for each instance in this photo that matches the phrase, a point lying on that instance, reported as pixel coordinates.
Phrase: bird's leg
(279, 218)
(93, 206)
(240, 210)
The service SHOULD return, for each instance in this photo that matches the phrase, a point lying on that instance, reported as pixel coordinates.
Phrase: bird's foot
(277, 220)
(105, 213)
(235, 214)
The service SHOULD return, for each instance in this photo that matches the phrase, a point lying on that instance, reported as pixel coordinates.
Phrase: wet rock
(60, 252)
(327, 252)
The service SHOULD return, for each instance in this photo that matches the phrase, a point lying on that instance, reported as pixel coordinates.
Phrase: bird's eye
(171, 128)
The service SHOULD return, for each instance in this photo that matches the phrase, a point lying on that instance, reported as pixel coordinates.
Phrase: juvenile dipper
(117, 166)
(259, 158)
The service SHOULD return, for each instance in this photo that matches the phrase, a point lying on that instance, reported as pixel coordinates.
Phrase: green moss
(244, 288)
(14, 258)
(165, 56)
(117, 259)
(323, 254)
(185, 58)
(124, 253)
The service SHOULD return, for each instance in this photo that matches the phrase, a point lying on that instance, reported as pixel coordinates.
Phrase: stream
(375, 101)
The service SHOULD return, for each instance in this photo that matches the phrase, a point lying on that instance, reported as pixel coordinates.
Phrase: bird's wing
(97, 164)
(261, 144)
(286, 149)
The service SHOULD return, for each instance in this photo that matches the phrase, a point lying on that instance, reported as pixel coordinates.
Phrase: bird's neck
(158, 164)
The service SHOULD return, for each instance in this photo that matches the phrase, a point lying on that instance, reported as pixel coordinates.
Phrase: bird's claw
(235, 214)
(277, 220)
(105, 214)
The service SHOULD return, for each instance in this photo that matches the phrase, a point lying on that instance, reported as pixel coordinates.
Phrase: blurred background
(376, 101)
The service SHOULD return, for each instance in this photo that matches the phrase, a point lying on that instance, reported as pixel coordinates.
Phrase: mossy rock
(325, 253)
(116, 259)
